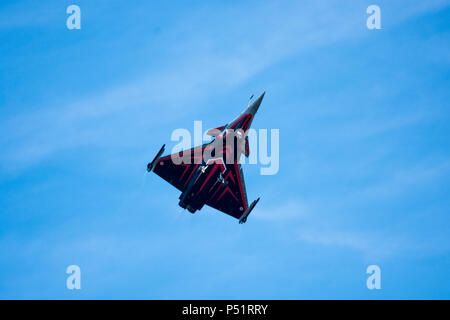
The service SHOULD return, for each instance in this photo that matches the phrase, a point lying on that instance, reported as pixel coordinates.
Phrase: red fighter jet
(211, 174)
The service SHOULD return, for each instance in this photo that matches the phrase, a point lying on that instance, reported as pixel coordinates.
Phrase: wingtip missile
(158, 155)
(245, 215)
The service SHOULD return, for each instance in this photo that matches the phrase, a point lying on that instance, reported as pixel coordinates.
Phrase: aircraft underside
(210, 174)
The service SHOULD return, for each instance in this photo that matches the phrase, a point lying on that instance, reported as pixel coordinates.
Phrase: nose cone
(254, 106)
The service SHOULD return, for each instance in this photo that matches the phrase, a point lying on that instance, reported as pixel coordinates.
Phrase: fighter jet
(211, 173)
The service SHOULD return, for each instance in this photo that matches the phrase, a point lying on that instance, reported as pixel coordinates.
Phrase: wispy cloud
(287, 211)
(372, 246)
(327, 219)
(403, 181)
(352, 186)
(256, 40)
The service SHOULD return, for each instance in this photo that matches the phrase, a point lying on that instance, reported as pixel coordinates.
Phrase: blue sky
(364, 148)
